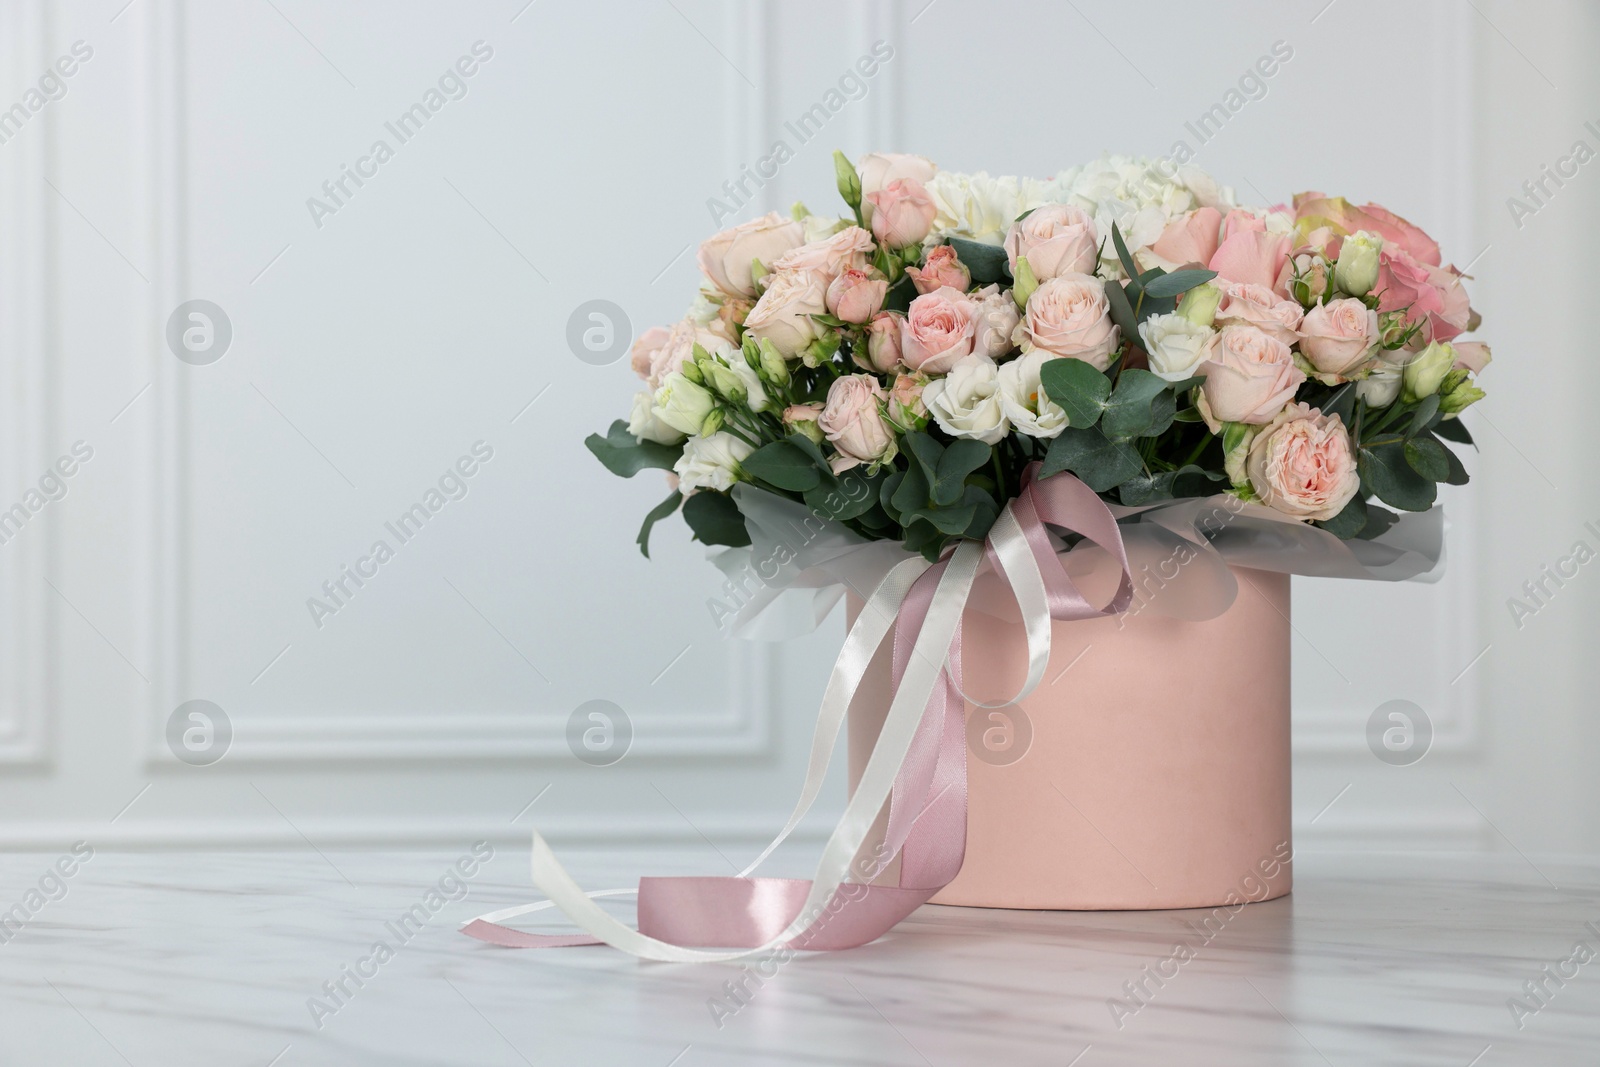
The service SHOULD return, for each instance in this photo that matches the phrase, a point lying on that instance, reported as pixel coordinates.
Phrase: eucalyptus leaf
(1100, 462)
(1178, 282)
(1384, 468)
(960, 459)
(900, 294)
(1342, 402)
(1428, 458)
(1378, 520)
(1427, 408)
(1077, 387)
(984, 511)
(715, 519)
(1350, 521)
(911, 495)
(1452, 430)
(784, 465)
(1123, 257)
(1122, 310)
(657, 513)
(1141, 405)
(625, 455)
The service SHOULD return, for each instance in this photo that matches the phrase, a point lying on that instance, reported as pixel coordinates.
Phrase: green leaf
(1076, 386)
(1385, 469)
(1378, 520)
(1350, 521)
(846, 498)
(1125, 259)
(925, 453)
(987, 263)
(1428, 458)
(1178, 282)
(1140, 406)
(984, 511)
(1122, 311)
(911, 495)
(900, 294)
(1452, 430)
(625, 455)
(812, 449)
(1188, 480)
(1342, 402)
(715, 519)
(887, 492)
(1100, 462)
(1427, 408)
(1458, 474)
(784, 465)
(921, 536)
(961, 457)
(952, 520)
(657, 513)
(1189, 415)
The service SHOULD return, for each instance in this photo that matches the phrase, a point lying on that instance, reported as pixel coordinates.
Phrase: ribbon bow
(918, 765)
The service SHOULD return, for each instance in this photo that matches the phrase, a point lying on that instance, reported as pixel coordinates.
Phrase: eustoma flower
(966, 403)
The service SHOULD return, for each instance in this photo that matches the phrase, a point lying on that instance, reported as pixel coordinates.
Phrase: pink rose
(902, 213)
(832, 256)
(1403, 283)
(1251, 255)
(645, 347)
(1246, 304)
(1056, 239)
(797, 416)
(856, 296)
(725, 258)
(937, 330)
(1191, 237)
(853, 421)
(906, 406)
(783, 314)
(1472, 356)
(1454, 313)
(1302, 465)
(878, 169)
(678, 348)
(883, 343)
(1336, 337)
(1250, 376)
(1069, 315)
(997, 318)
(1344, 217)
(940, 269)
(732, 313)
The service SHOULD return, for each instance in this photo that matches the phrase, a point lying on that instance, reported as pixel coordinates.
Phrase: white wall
(373, 350)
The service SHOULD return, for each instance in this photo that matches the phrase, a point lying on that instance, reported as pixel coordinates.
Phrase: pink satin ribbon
(927, 824)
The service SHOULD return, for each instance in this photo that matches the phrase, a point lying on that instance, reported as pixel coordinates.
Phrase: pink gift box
(1150, 770)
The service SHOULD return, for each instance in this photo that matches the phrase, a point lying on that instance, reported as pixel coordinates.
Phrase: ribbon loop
(917, 766)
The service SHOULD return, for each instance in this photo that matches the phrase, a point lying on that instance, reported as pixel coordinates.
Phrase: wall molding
(28, 356)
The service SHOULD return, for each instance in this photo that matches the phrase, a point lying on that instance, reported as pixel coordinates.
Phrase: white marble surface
(164, 959)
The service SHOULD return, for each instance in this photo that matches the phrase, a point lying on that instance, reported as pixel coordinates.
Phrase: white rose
(710, 462)
(966, 402)
(1024, 401)
(1380, 388)
(644, 424)
(1176, 345)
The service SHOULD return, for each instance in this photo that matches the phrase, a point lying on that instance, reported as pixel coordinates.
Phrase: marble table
(170, 959)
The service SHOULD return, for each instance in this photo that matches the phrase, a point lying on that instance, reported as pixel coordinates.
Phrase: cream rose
(725, 258)
(783, 314)
(1250, 377)
(853, 420)
(1055, 239)
(966, 402)
(678, 349)
(1335, 337)
(1069, 315)
(1176, 345)
(642, 355)
(710, 463)
(1023, 399)
(996, 321)
(846, 250)
(1302, 464)
(1247, 304)
(937, 331)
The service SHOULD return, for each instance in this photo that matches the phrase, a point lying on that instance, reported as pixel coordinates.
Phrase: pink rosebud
(1250, 376)
(941, 268)
(883, 343)
(856, 296)
(939, 329)
(902, 213)
(906, 406)
(1055, 239)
(853, 420)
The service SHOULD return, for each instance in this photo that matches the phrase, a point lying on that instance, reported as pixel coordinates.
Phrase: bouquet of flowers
(900, 369)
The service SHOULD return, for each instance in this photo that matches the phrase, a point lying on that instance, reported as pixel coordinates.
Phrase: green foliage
(715, 519)
(987, 263)
(624, 455)
(657, 513)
